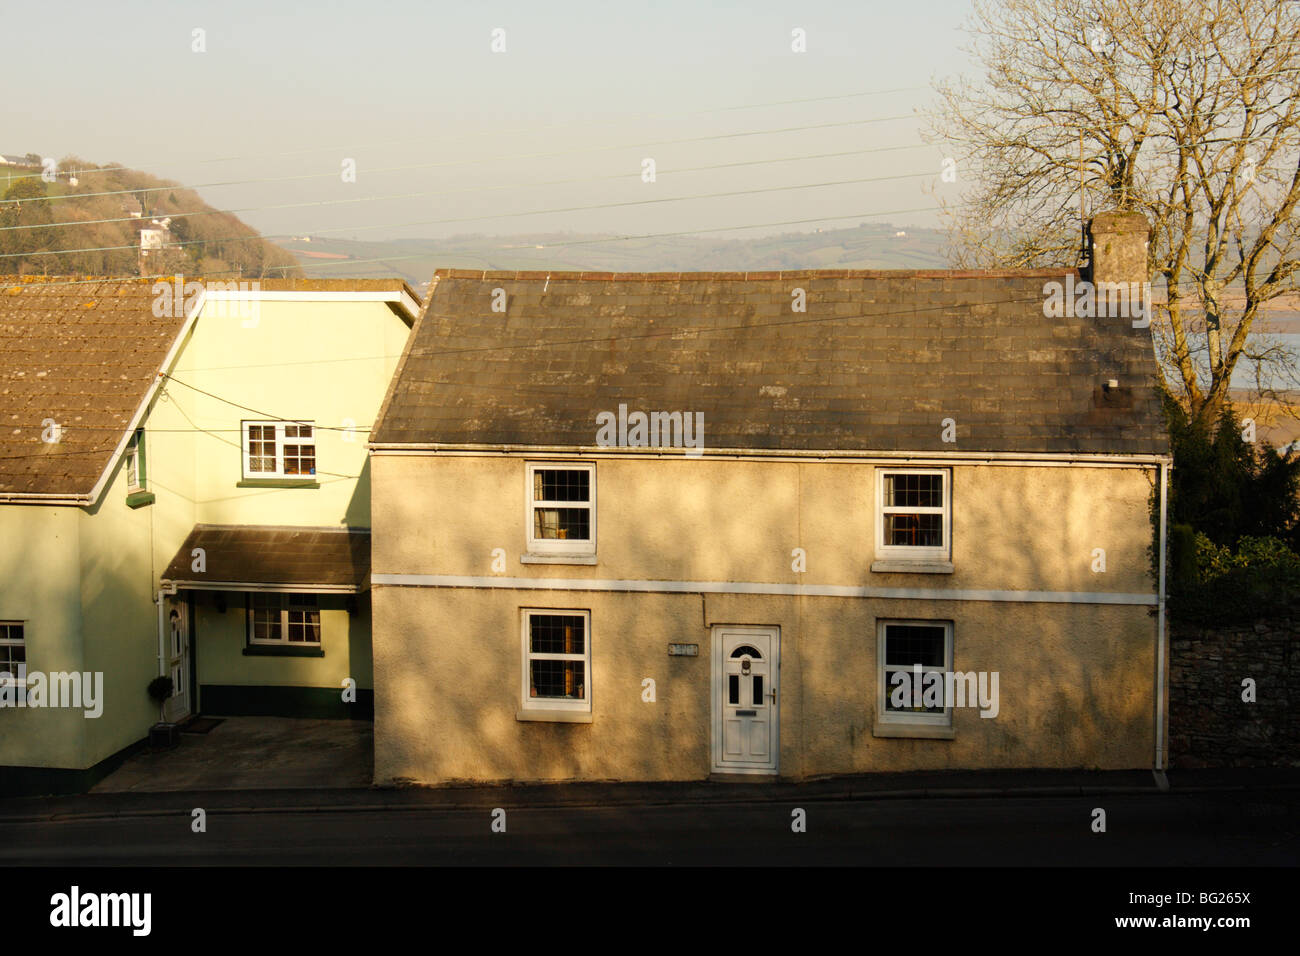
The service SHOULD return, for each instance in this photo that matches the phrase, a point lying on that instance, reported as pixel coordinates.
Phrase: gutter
(262, 587)
(163, 593)
(1161, 755)
(20, 498)
(1053, 459)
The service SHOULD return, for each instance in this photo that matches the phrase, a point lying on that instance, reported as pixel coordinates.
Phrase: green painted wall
(220, 640)
(119, 617)
(38, 568)
(84, 580)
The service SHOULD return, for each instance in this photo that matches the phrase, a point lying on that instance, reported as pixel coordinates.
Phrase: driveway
(254, 753)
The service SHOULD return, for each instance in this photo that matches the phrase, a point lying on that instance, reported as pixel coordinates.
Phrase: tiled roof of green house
(876, 362)
(76, 360)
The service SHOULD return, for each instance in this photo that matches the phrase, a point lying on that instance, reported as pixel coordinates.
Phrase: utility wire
(521, 129)
(506, 215)
(326, 202)
(505, 248)
(811, 320)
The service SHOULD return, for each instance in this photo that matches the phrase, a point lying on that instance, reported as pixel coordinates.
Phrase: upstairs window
(561, 509)
(914, 514)
(279, 450)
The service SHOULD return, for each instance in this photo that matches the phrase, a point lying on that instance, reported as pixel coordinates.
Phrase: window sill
(918, 731)
(278, 483)
(557, 558)
(138, 499)
(900, 566)
(270, 650)
(555, 716)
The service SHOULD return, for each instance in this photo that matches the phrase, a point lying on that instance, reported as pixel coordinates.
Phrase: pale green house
(184, 492)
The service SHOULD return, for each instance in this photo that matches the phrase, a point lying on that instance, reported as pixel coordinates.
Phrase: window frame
(6, 641)
(279, 473)
(568, 547)
(286, 601)
(894, 718)
(136, 462)
(535, 705)
(906, 552)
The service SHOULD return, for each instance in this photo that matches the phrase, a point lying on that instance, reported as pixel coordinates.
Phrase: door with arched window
(746, 712)
(177, 707)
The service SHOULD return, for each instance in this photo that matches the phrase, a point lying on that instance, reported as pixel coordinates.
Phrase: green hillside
(103, 238)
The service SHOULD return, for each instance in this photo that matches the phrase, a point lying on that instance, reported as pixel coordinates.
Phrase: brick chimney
(1119, 247)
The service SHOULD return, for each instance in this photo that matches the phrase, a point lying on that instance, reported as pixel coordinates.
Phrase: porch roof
(270, 558)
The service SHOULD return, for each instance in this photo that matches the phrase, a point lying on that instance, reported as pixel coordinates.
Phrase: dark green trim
(190, 602)
(278, 483)
(288, 650)
(42, 781)
(138, 499)
(237, 700)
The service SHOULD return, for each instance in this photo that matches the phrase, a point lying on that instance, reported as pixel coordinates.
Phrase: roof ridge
(750, 275)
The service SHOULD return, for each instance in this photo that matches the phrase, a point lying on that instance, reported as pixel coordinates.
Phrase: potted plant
(162, 733)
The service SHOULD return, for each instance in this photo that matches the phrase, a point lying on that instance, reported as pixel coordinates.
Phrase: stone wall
(1209, 723)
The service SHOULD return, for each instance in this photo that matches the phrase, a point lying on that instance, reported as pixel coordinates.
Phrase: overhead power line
(442, 139)
(480, 161)
(508, 215)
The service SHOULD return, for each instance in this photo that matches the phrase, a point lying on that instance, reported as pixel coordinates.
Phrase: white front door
(177, 708)
(746, 678)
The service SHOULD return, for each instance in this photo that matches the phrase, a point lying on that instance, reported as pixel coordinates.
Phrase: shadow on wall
(119, 627)
(358, 512)
(1080, 694)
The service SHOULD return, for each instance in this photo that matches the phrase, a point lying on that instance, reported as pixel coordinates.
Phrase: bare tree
(1187, 111)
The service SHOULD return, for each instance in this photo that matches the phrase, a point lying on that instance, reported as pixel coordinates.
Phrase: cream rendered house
(184, 491)
(864, 484)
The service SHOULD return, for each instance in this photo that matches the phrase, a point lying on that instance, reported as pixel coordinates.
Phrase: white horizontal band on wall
(755, 587)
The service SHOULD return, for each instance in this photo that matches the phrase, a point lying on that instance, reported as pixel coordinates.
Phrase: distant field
(873, 246)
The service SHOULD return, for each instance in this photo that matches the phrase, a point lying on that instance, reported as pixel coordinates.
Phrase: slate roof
(82, 353)
(876, 363)
(274, 556)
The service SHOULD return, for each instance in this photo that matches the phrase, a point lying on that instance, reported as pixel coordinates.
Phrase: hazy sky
(293, 89)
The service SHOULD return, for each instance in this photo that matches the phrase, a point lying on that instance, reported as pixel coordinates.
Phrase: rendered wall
(39, 571)
(1076, 679)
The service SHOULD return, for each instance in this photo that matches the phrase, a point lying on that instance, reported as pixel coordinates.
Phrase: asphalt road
(1171, 829)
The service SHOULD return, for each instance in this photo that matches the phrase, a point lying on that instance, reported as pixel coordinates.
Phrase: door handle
(772, 694)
